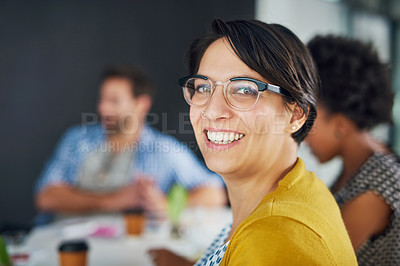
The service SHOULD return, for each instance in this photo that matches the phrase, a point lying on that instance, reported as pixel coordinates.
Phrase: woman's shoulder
(302, 197)
(301, 187)
(300, 216)
(274, 240)
(382, 175)
(305, 199)
(379, 174)
(384, 163)
(274, 226)
(379, 166)
(303, 215)
(315, 215)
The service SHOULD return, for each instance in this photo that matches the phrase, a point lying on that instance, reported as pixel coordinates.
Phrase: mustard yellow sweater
(297, 224)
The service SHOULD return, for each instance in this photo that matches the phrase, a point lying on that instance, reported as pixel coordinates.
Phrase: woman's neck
(356, 150)
(246, 192)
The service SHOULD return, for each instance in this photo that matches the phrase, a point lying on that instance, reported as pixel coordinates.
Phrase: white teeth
(220, 136)
(231, 136)
(223, 137)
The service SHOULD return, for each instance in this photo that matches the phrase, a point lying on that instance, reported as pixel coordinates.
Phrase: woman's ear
(343, 126)
(298, 118)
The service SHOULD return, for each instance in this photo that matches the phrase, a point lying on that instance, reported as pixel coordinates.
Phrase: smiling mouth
(223, 137)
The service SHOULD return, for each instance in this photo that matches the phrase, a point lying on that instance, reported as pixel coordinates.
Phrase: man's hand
(163, 257)
(150, 195)
(123, 199)
(144, 193)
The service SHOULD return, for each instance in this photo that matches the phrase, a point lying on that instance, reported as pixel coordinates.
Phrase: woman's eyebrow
(199, 74)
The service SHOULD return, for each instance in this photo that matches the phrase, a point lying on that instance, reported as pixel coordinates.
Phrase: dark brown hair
(141, 83)
(354, 81)
(275, 53)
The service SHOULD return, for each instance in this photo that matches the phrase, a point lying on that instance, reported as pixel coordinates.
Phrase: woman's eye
(203, 89)
(245, 91)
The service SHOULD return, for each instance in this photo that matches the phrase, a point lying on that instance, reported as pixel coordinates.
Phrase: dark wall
(51, 55)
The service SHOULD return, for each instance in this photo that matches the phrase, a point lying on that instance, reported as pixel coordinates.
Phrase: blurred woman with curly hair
(355, 97)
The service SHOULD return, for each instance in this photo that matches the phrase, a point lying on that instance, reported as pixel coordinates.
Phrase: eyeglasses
(240, 93)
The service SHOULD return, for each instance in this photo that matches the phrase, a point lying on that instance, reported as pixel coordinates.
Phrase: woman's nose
(217, 108)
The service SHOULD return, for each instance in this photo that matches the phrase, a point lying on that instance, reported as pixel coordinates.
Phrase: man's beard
(111, 123)
(117, 124)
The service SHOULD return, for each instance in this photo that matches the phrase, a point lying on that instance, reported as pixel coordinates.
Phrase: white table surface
(201, 226)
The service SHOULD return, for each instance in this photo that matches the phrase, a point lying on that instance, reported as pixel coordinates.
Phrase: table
(200, 226)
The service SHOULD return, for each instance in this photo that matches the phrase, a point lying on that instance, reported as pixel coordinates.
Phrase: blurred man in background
(122, 163)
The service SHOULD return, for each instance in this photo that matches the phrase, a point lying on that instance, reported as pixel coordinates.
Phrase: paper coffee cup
(73, 253)
(134, 221)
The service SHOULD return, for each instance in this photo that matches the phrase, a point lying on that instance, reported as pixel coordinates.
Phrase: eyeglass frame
(261, 86)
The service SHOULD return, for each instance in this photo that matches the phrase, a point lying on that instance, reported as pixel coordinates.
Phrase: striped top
(216, 251)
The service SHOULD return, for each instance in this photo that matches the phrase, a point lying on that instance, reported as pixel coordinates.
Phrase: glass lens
(197, 91)
(242, 94)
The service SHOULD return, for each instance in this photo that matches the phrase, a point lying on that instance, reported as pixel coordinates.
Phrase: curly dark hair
(275, 53)
(354, 82)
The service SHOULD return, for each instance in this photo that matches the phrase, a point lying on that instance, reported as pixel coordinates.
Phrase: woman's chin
(220, 166)
(324, 158)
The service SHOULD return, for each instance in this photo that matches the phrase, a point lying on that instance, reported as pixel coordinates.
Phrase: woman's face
(258, 135)
(321, 139)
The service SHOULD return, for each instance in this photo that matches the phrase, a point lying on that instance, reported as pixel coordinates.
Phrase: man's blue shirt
(157, 155)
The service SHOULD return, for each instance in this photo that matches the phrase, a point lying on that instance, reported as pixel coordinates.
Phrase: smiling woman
(252, 91)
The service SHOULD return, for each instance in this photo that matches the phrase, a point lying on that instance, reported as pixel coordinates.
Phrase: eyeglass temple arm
(277, 89)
